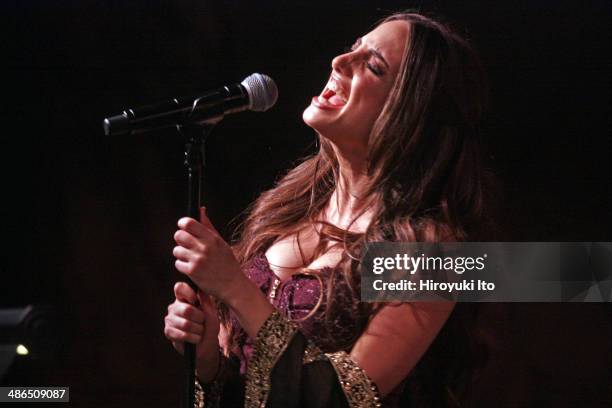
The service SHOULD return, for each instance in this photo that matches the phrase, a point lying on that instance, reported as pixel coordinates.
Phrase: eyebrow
(373, 50)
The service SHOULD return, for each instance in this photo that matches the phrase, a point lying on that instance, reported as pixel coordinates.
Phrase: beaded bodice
(332, 325)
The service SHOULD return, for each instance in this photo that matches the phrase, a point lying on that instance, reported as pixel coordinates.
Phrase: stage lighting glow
(22, 350)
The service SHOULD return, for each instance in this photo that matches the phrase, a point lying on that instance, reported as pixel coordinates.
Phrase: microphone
(256, 92)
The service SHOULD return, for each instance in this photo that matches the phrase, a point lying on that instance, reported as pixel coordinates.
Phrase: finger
(184, 325)
(179, 335)
(185, 239)
(187, 311)
(183, 267)
(206, 221)
(183, 253)
(193, 227)
(178, 345)
(184, 293)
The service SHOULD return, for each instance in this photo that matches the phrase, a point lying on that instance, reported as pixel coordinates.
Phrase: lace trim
(272, 340)
(358, 389)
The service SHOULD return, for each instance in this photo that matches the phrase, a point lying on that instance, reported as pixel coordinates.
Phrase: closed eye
(375, 70)
(373, 52)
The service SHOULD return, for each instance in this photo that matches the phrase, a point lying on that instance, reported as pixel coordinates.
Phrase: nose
(343, 63)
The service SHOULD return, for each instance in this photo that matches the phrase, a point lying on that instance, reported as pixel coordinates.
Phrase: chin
(311, 116)
(316, 120)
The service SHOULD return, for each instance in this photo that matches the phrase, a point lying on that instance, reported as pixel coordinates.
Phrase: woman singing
(399, 160)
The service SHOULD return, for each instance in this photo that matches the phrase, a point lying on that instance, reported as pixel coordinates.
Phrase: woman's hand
(193, 318)
(206, 258)
(209, 262)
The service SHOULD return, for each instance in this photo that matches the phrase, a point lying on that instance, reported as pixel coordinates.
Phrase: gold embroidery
(208, 395)
(272, 340)
(275, 286)
(359, 390)
(312, 353)
(199, 395)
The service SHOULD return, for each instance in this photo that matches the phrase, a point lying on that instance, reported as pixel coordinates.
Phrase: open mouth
(333, 96)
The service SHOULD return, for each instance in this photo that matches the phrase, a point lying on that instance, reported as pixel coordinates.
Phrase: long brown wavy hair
(427, 179)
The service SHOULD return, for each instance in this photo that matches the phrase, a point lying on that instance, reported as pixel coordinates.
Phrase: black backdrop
(88, 221)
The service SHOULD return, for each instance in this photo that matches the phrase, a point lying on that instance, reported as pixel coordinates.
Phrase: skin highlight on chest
(286, 259)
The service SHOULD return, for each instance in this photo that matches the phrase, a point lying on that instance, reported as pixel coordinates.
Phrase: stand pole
(194, 162)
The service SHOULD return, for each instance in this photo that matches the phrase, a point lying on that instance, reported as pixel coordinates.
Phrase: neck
(348, 200)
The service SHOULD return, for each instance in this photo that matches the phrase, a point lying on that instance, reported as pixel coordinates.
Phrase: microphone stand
(194, 162)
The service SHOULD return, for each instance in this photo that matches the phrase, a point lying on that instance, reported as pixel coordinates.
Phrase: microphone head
(262, 92)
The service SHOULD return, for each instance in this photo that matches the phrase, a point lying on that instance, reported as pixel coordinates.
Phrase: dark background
(87, 221)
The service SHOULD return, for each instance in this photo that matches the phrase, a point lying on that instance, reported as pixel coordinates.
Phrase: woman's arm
(249, 305)
(396, 339)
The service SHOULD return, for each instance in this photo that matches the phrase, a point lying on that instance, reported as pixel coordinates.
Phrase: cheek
(372, 102)
(382, 95)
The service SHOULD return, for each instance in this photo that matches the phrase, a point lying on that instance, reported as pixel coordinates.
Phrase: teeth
(333, 85)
